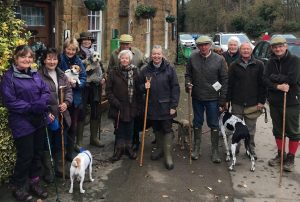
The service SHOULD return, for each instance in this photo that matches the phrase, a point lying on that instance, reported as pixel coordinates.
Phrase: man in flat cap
(206, 76)
(282, 76)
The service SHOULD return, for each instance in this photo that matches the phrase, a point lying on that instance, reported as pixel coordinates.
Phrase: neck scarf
(130, 83)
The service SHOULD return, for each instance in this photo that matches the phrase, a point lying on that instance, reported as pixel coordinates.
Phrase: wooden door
(37, 18)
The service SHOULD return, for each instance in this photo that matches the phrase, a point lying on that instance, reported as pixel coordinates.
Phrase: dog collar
(88, 155)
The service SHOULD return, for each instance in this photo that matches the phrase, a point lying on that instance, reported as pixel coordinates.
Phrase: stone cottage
(51, 21)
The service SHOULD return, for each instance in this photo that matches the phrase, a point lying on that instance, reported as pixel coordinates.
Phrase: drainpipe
(148, 35)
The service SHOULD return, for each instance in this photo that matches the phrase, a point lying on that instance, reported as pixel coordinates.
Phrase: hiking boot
(38, 190)
(118, 154)
(129, 152)
(21, 195)
(289, 164)
(276, 160)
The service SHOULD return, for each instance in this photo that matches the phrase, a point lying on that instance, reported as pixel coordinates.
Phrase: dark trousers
(29, 154)
(77, 115)
(124, 132)
(163, 126)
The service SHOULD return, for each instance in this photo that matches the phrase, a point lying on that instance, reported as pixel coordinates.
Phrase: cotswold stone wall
(120, 15)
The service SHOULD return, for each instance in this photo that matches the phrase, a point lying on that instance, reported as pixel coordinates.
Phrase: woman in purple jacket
(26, 96)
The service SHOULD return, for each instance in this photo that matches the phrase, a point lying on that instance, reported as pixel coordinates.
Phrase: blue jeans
(211, 110)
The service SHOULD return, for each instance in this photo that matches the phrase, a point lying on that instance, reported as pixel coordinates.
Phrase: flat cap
(203, 40)
(277, 40)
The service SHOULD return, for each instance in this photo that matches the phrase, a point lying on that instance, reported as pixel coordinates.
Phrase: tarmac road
(126, 181)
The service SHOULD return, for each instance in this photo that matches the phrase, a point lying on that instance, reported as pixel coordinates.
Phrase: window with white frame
(95, 26)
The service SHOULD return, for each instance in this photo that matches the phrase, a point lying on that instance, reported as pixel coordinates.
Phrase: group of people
(37, 99)
(236, 79)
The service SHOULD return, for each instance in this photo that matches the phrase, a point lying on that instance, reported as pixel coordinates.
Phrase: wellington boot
(94, 127)
(168, 140)
(79, 136)
(197, 142)
(158, 152)
(129, 151)
(58, 166)
(48, 172)
(215, 146)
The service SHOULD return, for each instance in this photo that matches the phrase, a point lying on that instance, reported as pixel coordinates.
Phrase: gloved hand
(38, 107)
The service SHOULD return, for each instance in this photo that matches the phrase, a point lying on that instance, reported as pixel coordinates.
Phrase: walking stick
(145, 123)
(190, 121)
(283, 138)
(61, 100)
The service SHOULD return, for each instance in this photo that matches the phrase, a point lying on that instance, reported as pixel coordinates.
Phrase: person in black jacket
(246, 88)
(282, 75)
(159, 76)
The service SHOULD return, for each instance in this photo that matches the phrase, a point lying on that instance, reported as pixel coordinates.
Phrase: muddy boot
(118, 153)
(158, 152)
(168, 140)
(129, 151)
(21, 194)
(48, 173)
(197, 142)
(215, 146)
(79, 136)
(37, 189)
(289, 164)
(276, 160)
(94, 126)
(70, 154)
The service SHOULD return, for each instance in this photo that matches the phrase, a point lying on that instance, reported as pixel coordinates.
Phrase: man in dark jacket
(206, 76)
(245, 88)
(159, 76)
(282, 76)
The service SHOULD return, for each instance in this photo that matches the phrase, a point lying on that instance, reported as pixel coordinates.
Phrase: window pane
(33, 16)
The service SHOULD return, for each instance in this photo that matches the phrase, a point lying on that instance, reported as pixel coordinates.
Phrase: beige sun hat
(126, 38)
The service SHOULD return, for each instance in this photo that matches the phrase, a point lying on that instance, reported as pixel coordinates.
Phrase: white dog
(73, 74)
(79, 164)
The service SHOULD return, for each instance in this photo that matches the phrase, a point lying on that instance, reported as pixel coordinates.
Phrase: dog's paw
(231, 168)
(252, 169)
(70, 191)
(92, 180)
(82, 191)
(227, 158)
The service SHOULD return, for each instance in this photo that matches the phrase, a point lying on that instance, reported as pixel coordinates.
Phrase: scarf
(128, 73)
(87, 51)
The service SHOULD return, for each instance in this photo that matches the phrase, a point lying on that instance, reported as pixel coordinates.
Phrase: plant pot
(144, 11)
(170, 18)
(94, 5)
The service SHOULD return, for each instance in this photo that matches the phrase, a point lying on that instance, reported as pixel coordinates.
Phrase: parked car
(287, 36)
(221, 39)
(187, 40)
(262, 50)
(196, 35)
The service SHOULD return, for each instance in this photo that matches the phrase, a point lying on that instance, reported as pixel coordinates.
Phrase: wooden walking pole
(61, 100)
(190, 121)
(282, 138)
(145, 123)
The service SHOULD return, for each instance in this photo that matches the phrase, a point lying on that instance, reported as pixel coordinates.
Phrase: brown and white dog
(183, 133)
(73, 74)
(79, 164)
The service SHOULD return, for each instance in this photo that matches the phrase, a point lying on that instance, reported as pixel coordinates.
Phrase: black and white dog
(231, 123)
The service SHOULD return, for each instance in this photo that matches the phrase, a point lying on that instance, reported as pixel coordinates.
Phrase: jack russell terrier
(73, 74)
(231, 123)
(78, 166)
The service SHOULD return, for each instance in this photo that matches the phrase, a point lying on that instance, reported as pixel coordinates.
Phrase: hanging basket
(94, 5)
(170, 18)
(146, 12)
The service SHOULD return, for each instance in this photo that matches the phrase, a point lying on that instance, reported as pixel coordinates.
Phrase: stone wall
(72, 15)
